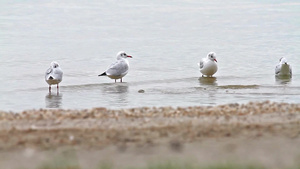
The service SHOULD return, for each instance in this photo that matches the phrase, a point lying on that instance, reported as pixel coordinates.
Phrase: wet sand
(263, 133)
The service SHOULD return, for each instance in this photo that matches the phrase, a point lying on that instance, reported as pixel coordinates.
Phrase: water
(166, 40)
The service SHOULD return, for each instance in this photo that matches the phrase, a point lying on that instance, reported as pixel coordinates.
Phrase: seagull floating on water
(283, 68)
(208, 65)
(53, 75)
(118, 69)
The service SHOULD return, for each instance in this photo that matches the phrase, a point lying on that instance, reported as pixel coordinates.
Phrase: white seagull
(283, 68)
(53, 75)
(118, 69)
(208, 65)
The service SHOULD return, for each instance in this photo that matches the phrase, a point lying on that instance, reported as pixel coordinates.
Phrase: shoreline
(160, 130)
(147, 124)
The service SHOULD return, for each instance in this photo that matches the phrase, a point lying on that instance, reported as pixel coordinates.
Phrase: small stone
(141, 91)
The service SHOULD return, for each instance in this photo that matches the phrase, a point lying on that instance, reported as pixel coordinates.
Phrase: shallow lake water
(166, 40)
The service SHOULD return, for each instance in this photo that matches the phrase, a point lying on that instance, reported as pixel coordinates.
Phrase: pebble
(141, 91)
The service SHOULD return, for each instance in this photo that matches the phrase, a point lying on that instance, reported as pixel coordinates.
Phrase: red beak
(216, 60)
(129, 56)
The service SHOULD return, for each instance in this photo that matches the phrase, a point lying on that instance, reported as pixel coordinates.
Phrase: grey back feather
(117, 68)
(201, 64)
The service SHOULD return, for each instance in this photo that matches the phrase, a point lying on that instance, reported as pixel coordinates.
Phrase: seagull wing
(277, 69)
(201, 64)
(48, 71)
(57, 72)
(117, 68)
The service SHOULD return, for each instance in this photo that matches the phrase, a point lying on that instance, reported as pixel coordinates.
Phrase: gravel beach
(265, 133)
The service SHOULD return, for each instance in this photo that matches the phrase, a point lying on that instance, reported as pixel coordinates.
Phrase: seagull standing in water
(118, 69)
(53, 75)
(208, 65)
(283, 68)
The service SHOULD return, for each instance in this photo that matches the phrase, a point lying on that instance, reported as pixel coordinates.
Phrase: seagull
(118, 69)
(53, 75)
(208, 65)
(283, 68)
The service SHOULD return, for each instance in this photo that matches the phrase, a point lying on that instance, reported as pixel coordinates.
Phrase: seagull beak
(216, 60)
(129, 56)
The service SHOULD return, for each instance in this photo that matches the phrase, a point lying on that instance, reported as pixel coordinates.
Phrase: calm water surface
(166, 40)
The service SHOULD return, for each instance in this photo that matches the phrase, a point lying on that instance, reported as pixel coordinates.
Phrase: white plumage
(208, 65)
(118, 69)
(53, 75)
(283, 68)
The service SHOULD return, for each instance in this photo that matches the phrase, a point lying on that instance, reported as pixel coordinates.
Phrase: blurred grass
(69, 160)
(68, 164)
(66, 160)
(188, 166)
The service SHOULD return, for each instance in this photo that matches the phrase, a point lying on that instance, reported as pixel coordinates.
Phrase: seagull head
(54, 64)
(212, 56)
(283, 60)
(122, 54)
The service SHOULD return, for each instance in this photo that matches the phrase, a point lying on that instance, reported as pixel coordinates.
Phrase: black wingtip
(103, 74)
(51, 77)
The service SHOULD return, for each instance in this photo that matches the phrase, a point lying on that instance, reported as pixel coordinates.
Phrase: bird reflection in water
(117, 93)
(283, 79)
(208, 80)
(116, 88)
(53, 100)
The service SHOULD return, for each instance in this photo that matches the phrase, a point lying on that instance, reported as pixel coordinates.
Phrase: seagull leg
(121, 80)
(49, 88)
(115, 80)
(57, 91)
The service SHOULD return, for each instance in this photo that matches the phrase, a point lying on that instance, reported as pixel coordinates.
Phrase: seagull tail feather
(103, 74)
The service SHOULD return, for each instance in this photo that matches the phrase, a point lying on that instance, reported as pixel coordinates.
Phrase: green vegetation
(67, 165)
(69, 160)
(175, 166)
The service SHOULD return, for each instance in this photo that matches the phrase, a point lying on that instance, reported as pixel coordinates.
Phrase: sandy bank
(146, 129)
(101, 127)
